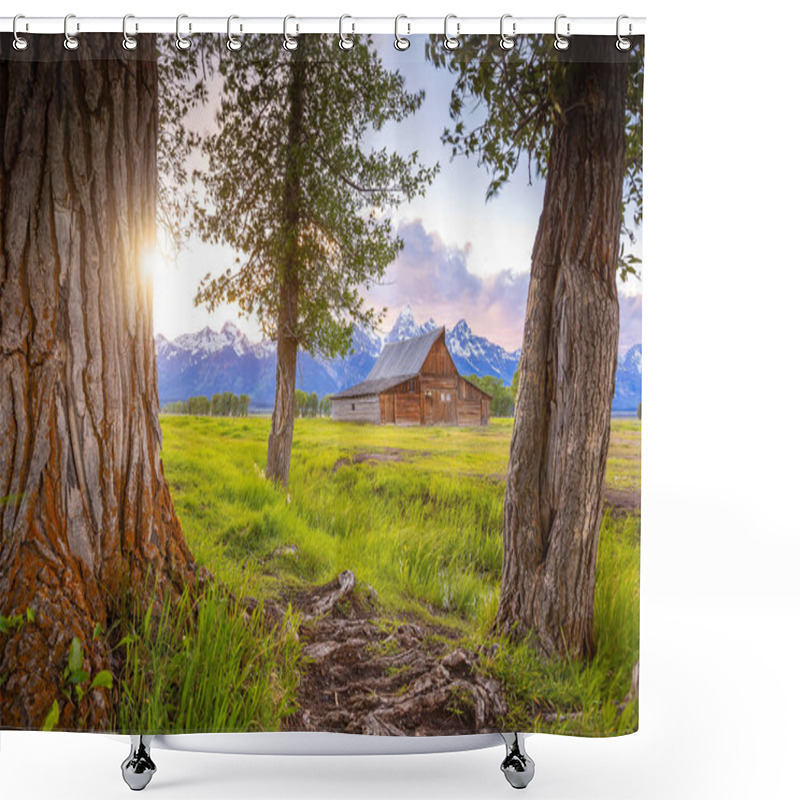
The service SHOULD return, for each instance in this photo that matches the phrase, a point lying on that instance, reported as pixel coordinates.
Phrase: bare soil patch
(623, 500)
(627, 501)
(387, 455)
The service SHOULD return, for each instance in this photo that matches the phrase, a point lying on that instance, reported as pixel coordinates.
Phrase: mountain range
(208, 362)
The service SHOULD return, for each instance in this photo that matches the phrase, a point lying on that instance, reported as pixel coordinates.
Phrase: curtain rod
(406, 25)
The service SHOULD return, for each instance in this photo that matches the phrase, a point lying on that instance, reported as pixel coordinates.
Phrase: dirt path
(384, 455)
(367, 674)
(623, 500)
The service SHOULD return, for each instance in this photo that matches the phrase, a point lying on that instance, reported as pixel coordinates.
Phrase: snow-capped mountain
(207, 362)
(476, 355)
(366, 341)
(405, 327)
(628, 393)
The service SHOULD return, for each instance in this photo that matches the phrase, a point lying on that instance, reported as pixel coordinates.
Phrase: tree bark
(559, 445)
(85, 514)
(279, 448)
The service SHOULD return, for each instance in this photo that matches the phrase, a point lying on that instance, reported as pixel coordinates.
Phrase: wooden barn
(414, 382)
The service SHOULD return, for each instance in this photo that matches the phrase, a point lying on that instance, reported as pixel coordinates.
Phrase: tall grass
(574, 696)
(423, 529)
(201, 665)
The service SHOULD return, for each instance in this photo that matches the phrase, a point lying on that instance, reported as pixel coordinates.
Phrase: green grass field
(415, 513)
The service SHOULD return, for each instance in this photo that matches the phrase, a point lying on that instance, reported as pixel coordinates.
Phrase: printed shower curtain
(321, 385)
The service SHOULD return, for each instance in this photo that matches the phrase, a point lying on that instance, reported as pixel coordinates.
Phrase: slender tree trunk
(85, 513)
(279, 449)
(557, 464)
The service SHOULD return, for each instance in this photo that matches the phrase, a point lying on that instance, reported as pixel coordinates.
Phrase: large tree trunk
(557, 464)
(85, 513)
(279, 448)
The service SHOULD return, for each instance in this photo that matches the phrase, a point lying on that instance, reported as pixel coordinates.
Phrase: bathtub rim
(320, 743)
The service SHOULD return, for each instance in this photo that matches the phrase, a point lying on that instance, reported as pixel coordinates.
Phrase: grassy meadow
(416, 514)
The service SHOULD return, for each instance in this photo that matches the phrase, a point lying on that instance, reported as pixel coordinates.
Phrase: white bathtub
(138, 768)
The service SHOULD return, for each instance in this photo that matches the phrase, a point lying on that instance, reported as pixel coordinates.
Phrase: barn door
(443, 407)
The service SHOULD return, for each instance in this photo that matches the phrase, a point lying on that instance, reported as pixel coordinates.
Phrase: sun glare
(152, 261)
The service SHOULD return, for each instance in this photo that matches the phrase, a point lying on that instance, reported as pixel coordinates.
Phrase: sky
(463, 257)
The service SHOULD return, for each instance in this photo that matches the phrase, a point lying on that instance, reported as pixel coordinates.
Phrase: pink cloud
(434, 279)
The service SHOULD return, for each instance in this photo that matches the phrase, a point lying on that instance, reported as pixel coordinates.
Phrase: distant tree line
(503, 397)
(309, 405)
(226, 404)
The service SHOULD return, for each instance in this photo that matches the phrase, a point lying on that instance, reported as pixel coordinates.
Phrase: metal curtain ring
(507, 42)
(128, 42)
(20, 42)
(561, 42)
(623, 43)
(181, 42)
(234, 43)
(345, 43)
(70, 42)
(400, 42)
(289, 42)
(451, 42)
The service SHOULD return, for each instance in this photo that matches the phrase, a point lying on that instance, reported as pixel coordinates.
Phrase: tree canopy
(522, 92)
(341, 238)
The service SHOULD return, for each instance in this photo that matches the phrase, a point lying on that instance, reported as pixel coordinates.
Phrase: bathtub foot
(138, 768)
(517, 766)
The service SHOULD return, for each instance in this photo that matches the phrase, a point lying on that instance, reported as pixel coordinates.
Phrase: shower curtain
(321, 383)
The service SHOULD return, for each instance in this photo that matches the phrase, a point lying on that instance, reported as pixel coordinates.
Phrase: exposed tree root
(370, 676)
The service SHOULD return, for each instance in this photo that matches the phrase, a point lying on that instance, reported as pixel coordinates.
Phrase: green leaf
(31, 615)
(103, 680)
(98, 631)
(51, 720)
(11, 624)
(75, 655)
(79, 676)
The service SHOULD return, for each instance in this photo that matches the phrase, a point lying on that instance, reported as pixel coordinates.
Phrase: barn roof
(398, 362)
(404, 358)
(372, 387)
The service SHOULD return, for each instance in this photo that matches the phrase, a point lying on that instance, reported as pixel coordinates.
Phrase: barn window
(411, 386)
(352, 406)
(443, 397)
(448, 397)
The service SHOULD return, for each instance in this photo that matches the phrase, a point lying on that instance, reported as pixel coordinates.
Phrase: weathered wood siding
(439, 399)
(401, 406)
(439, 361)
(387, 408)
(473, 405)
(357, 409)
(407, 408)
